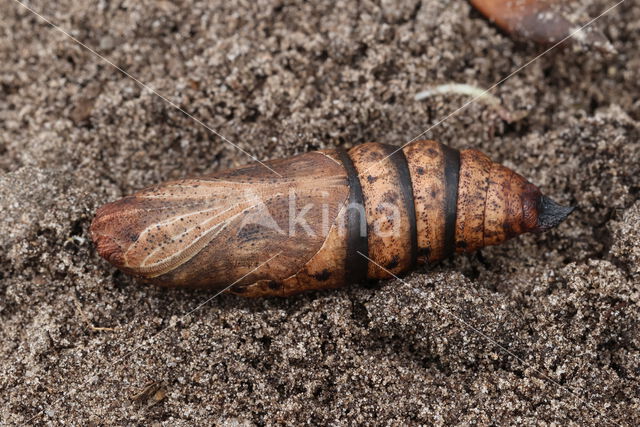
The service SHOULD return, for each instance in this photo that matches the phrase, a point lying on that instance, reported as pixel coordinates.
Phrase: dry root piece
(477, 94)
(537, 20)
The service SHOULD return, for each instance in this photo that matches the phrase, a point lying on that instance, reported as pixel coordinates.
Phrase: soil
(544, 329)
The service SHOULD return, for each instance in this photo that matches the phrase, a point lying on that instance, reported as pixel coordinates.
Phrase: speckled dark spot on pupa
(424, 252)
(250, 232)
(239, 289)
(274, 285)
(373, 155)
(390, 197)
(393, 263)
(322, 276)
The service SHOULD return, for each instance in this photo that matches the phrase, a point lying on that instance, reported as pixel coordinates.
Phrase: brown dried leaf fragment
(539, 21)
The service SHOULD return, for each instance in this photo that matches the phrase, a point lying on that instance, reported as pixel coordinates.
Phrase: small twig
(479, 94)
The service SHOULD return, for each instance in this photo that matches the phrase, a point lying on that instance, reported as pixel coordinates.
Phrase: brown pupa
(333, 216)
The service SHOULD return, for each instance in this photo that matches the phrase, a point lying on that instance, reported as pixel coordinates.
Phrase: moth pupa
(332, 216)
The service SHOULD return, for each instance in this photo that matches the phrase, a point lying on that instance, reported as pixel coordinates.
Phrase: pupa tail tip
(551, 214)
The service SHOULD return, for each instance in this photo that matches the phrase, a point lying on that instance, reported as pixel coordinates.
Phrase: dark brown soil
(544, 329)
